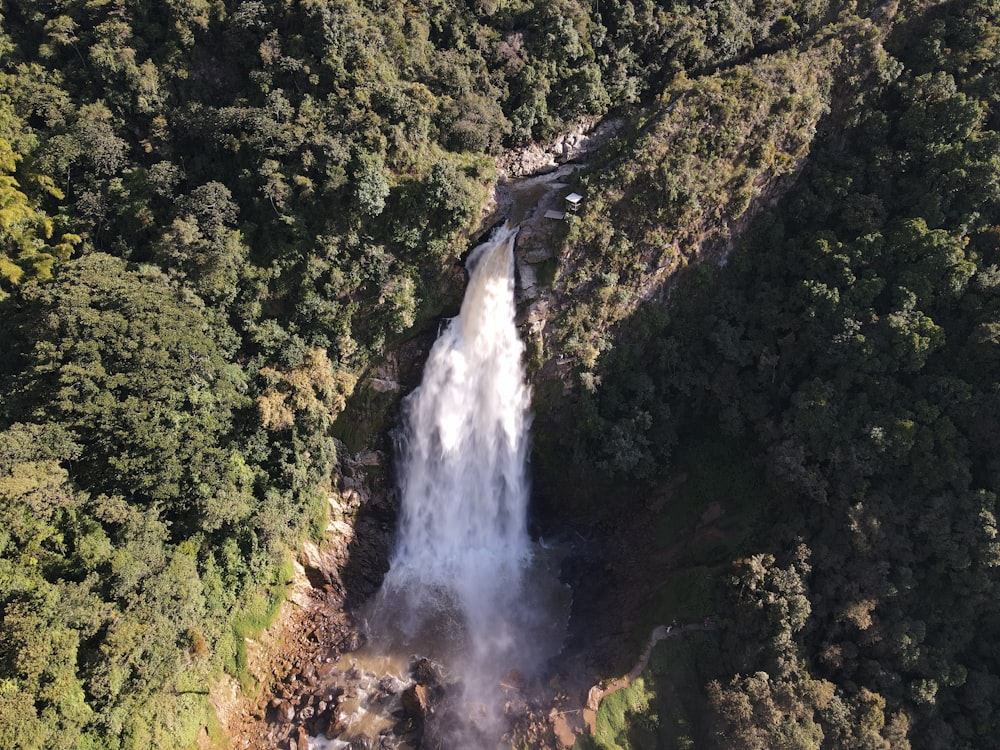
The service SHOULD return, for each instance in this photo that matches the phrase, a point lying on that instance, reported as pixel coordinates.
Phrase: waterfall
(462, 462)
(470, 611)
(456, 575)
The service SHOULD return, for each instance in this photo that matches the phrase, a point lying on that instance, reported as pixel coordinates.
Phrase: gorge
(466, 589)
(762, 359)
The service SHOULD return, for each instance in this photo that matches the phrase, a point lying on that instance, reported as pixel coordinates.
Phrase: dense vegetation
(216, 216)
(852, 334)
(213, 216)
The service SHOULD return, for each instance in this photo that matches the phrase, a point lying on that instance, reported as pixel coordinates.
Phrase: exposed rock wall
(293, 660)
(539, 158)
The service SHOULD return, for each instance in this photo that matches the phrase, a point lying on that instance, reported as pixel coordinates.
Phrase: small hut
(573, 201)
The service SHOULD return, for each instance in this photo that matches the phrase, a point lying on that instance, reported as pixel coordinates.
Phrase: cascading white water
(466, 588)
(455, 589)
(462, 465)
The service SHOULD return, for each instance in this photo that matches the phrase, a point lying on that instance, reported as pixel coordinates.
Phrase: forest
(217, 217)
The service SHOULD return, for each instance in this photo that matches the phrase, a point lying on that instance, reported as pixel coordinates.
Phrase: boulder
(417, 702)
(334, 728)
(352, 642)
(425, 673)
(528, 278)
(537, 254)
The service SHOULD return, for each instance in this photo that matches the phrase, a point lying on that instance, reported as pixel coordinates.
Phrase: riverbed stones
(352, 642)
(540, 158)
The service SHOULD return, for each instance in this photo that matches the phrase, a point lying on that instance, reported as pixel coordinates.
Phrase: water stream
(467, 591)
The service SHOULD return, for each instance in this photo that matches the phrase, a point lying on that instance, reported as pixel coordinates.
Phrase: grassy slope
(674, 186)
(688, 171)
(702, 527)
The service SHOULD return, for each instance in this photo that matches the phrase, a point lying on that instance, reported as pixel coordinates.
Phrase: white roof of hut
(574, 198)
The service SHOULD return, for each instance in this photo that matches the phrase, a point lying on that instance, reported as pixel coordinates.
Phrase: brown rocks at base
(417, 702)
(425, 673)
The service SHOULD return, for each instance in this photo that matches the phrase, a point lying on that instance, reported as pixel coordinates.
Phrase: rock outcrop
(294, 660)
(539, 158)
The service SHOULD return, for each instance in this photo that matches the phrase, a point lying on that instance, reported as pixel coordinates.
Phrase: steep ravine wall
(291, 660)
(294, 658)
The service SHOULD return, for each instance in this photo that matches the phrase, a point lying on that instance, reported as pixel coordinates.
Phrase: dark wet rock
(425, 673)
(402, 727)
(334, 728)
(513, 680)
(352, 642)
(417, 702)
(389, 685)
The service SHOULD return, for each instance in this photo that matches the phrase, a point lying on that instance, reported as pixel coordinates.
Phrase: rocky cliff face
(296, 695)
(293, 660)
(575, 144)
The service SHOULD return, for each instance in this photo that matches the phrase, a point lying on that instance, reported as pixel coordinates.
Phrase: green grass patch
(704, 525)
(702, 528)
(318, 515)
(687, 595)
(257, 613)
(721, 476)
(626, 720)
(662, 709)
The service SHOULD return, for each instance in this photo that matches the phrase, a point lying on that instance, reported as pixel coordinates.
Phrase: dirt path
(602, 690)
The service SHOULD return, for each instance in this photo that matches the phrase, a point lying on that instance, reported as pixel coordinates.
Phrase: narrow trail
(602, 690)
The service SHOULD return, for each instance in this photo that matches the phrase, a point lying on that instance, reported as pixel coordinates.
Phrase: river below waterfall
(471, 610)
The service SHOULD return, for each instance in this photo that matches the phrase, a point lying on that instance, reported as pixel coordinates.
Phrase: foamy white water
(466, 588)
(462, 464)
(455, 590)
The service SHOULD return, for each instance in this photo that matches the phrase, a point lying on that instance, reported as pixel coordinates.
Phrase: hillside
(227, 230)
